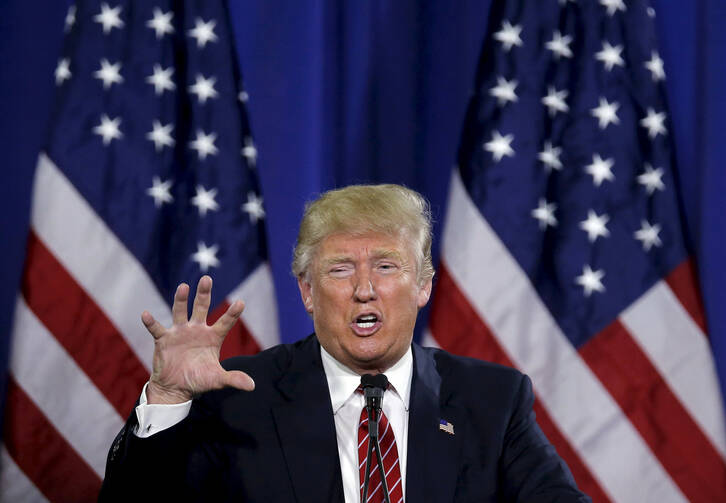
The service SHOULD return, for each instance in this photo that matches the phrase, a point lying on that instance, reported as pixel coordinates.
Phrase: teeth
(366, 321)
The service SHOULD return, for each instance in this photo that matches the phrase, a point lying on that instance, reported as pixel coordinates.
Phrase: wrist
(158, 394)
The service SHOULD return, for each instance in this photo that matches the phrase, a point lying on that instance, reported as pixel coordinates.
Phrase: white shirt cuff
(154, 418)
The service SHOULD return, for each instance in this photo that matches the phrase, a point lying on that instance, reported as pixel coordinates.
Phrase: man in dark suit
(454, 429)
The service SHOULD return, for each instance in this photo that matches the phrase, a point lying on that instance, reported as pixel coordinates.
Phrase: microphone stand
(373, 388)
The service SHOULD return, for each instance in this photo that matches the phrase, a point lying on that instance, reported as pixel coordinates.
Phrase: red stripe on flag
(684, 285)
(663, 422)
(43, 454)
(460, 330)
(239, 340)
(81, 328)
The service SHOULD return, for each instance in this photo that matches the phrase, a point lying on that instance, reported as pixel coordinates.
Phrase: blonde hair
(389, 209)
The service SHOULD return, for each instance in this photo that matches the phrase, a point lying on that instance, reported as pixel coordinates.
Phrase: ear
(306, 292)
(424, 293)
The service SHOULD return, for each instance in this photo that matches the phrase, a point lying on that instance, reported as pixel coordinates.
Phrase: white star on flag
(204, 88)
(161, 135)
(600, 169)
(655, 66)
(204, 200)
(243, 96)
(613, 6)
(545, 214)
(161, 79)
(610, 55)
(141, 186)
(550, 156)
(648, 235)
(653, 122)
(249, 151)
(70, 18)
(161, 22)
(504, 91)
(606, 113)
(589, 280)
(500, 145)
(109, 74)
(509, 35)
(254, 207)
(204, 144)
(594, 225)
(652, 179)
(560, 45)
(62, 71)
(205, 256)
(108, 129)
(203, 32)
(555, 100)
(160, 191)
(109, 18)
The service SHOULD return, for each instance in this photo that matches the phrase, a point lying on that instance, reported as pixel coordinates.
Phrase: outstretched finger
(179, 308)
(225, 322)
(202, 299)
(155, 328)
(238, 379)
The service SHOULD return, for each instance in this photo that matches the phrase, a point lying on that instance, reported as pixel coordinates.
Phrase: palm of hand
(186, 355)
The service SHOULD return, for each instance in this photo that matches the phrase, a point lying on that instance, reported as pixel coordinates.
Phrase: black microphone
(373, 388)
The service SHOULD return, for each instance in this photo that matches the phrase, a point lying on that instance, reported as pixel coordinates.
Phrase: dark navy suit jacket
(278, 442)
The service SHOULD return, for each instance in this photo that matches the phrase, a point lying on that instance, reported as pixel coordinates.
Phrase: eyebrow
(393, 254)
(337, 260)
(377, 254)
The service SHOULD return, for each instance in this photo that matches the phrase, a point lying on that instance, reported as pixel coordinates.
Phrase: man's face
(363, 294)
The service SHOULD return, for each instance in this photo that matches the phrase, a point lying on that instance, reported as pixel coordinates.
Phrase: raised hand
(186, 355)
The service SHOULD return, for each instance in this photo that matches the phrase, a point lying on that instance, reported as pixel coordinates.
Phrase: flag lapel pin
(446, 426)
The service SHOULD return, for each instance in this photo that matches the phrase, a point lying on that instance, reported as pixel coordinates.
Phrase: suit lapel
(306, 428)
(433, 454)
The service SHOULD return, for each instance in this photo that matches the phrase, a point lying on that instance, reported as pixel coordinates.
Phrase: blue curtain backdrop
(369, 91)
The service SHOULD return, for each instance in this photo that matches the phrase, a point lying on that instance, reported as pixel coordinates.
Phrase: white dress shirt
(156, 417)
(347, 406)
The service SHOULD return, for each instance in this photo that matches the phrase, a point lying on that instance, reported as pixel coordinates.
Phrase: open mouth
(366, 324)
(366, 321)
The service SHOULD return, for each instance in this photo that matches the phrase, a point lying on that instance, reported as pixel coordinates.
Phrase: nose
(364, 290)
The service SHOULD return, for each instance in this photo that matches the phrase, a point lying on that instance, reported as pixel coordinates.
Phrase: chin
(365, 359)
(378, 361)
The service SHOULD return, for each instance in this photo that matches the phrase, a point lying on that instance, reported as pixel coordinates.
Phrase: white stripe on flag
(61, 390)
(16, 487)
(260, 314)
(428, 340)
(680, 351)
(583, 410)
(95, 257)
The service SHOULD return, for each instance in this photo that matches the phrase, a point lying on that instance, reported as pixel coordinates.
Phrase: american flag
(563, 252)
(147, 179)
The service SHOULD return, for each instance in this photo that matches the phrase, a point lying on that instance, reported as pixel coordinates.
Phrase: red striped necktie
(389, 452)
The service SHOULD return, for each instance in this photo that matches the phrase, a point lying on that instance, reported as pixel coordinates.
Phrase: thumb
(238, 379)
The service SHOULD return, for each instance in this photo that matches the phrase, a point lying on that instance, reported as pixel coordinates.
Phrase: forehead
(367, 244)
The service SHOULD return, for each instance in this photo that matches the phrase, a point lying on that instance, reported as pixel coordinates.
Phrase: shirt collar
(342, 381)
